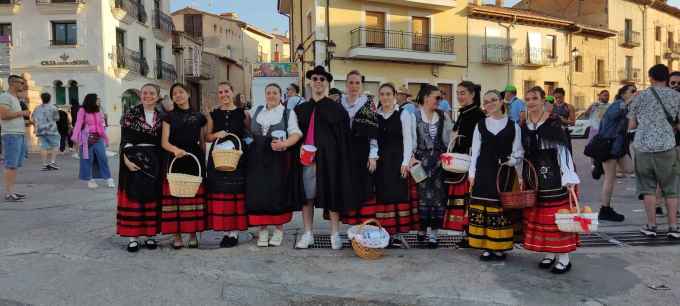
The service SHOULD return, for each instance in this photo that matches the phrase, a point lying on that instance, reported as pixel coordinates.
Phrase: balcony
(196, 70)
(601, 79)
(379, 44)
(162, 25)
(427, 4)
(629, 39)
(9, 7)
(496, 54)
(166, 72)
(129, 11)
(534, 57)
(50, 7)
(130, 61)
(672, 50)
(629, 75)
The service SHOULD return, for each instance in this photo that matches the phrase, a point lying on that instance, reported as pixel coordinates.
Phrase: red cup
(307, 155)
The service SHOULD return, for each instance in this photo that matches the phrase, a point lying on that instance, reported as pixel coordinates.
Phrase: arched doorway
(129, 99)
(60, 93)
(73, 92)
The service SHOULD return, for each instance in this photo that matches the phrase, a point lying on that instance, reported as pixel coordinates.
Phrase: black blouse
(185, 128)
(469, 116)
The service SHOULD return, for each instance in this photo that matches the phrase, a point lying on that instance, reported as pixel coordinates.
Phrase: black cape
(333, 166)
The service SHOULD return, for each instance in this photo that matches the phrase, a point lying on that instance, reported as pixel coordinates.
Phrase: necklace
(539, 118)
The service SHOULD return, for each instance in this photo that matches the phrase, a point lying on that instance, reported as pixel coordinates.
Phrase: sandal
(546, 263)
(150, 244)
(560, 268)
(133, 246)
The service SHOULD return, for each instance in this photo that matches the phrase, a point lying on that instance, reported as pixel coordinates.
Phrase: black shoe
(133, 246)
(228, 242)
(597, 171)
(608, 214)
(486, 256)
(20, 195)
(52, 166)
(396, 243)
(13, 198)
(560, 268)
(150, 244)
(45, 168)
(546, 263)
(659, 211)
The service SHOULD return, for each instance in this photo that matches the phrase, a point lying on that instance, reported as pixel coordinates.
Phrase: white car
(581, 128)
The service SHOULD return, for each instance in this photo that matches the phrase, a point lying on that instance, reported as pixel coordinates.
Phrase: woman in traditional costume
(397, 214)
(470, 113)
(546, 147)
(139, 177)
(496, 142)
(273, 189)
(226, 189)
(183, 134)
(433, 130)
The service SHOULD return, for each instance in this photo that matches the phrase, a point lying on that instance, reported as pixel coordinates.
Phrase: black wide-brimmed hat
(319, 70)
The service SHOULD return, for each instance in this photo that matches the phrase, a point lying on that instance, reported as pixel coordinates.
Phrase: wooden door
(375, 29)
(421, 34)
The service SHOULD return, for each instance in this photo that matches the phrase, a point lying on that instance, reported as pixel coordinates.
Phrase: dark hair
(623, 90)
(11, 78)
(238, 101)
(425, 91)
(224, 83)
(335, 91)
(90, 103)
(154, 86)
(603, 91)
(177, 85)
(390, 86)
(537, 90)
(674, 73)
(275, 86)
(45, 97)
(498, 95)
(295, 87)
(659, 73)
(357, 73)
(559, 90)
(473, 89)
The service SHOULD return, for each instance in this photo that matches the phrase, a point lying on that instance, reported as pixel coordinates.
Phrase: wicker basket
(227, 160)
(365, 252)
(518, 199)
(582, 223)
(455, 162)
(184, 185)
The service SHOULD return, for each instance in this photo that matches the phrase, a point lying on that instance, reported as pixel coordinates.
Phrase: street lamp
(575, 52)
(330, 52)
(300, 51)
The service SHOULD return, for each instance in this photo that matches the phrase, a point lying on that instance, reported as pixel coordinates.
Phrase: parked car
(580, 129)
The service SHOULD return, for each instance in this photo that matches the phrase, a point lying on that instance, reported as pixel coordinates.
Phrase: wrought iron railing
(629, 38)
(496, 54)
(193, 69)
(39, 2)
(388, 39)
(11, 2)
(534, 56)
(134, 8)
(629, 75)
(162, 21)
(165, 71)
(131, 60)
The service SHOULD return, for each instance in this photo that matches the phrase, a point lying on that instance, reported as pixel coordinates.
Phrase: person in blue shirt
(444, 104)
(515, 106)
(403, 99)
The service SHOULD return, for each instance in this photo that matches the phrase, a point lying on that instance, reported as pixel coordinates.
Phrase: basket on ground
(368, 240)
(522, 198)
(184, 185)
(455, 162)
(227, 159)
(578, 222)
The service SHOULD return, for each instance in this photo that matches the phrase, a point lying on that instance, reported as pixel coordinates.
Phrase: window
(159, 62)
(578, 63)
(671, 40)
(375, 29)
(600, 72)
(657, 33)
(551, 44)
(421, 33)
(120, 37)
(73, 92)
(142, 42)
(64, 33)
(6, 29)
(529, 85)
(193, 25)
(629, 26)
(59, 93)
(260, 54)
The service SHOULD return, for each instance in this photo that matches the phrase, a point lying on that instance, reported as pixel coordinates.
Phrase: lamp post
(330, 52)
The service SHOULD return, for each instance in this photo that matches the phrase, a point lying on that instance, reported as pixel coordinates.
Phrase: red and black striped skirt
(540, 231)
(264, 220)
(227, 211)
(455, 217)
(368, 210)
(135, 219)
(182, 215)
(400, 218)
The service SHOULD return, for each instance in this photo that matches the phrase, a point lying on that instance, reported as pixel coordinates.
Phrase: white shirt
(269, 117)
(294, 101)
(448, 127)
(408, 131)
(495, 126)
(352, 110)
(564, 158)
(148, 117)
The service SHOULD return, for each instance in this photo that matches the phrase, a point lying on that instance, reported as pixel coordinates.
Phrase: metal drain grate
(636, 238)
(323, 241)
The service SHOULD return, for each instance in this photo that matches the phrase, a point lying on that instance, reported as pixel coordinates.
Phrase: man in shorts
(45, 118)
(13, 132)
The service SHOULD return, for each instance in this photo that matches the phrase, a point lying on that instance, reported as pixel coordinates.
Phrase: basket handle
(573, 200)
(189, 154)
(370, 221)
(531, 168)
(453, 140)
(240, 147)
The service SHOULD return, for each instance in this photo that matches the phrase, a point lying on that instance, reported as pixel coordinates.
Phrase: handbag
(93, 138)
(599, 148)
(672, 121)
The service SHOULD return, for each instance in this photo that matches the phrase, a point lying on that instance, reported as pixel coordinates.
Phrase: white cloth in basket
(227, 145)
(370, 236)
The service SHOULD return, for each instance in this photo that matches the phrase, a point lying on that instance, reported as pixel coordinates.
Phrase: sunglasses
(318, 79)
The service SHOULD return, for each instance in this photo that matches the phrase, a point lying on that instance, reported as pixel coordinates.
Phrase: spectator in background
(515, 106)
(45, 118)
(674, 81)
(444, 104)
(335, 94)
(13, 135)
(64, 127)
(89, 133)
(293, 96)
(23, 96)
(596, 111)
(404, 100)
(653, 114)
(75, 107)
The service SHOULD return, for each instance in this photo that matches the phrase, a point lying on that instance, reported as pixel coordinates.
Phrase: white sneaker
(75, 155)
(111, 183)
(306, 240)
(336, 241)
(277, 238)
(92, 184)
(263, 240)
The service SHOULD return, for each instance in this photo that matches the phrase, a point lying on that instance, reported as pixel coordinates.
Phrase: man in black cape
(327, 182)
